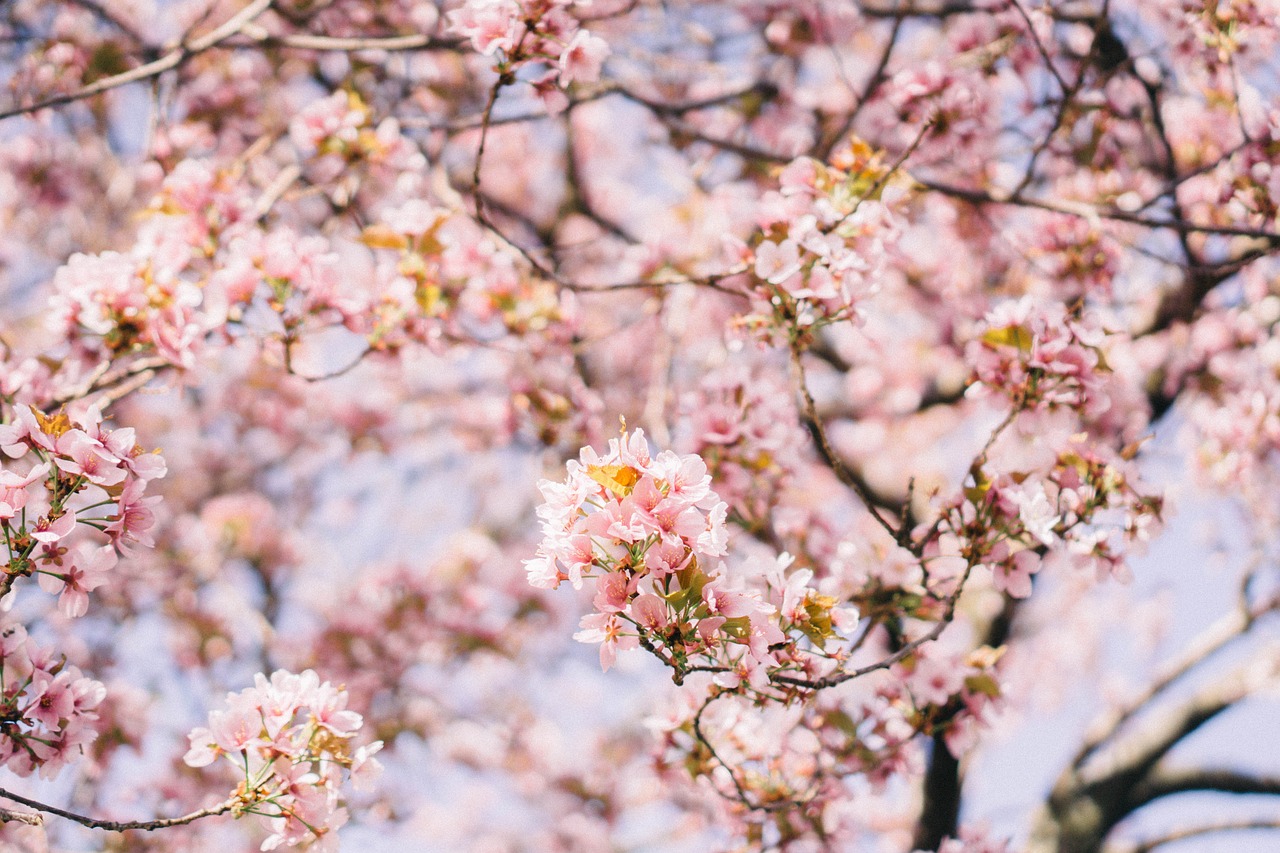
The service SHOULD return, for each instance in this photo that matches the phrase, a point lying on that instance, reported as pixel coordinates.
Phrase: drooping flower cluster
(46, 706)
(71, 472)
(1084, 503)
(648, 529)
(290, 738)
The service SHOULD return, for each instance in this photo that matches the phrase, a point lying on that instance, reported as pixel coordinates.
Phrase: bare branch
(1210, 642)
(233, 25)
(347, 44)
(119, 825)
(1166, 783)
(842, 471)
(1086, 211)
(1195, 831)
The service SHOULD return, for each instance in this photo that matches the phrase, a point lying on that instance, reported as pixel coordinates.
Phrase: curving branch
(259, 35)
(1166, 783)
(1094, 212)
(1195, 831)
(1212, 640)
(1088, 802)
(231, 805)
(171, 60)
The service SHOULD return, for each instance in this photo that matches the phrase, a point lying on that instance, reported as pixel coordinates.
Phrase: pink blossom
(582, 58)
(489, 24)
(85, 573)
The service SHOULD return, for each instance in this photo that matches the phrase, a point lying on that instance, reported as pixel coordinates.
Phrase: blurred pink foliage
(316, 318)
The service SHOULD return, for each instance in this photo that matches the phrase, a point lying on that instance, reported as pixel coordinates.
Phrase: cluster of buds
(289, 738)
(72, 474)
(46, 706)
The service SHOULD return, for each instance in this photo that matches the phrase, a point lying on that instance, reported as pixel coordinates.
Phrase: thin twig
(901, 654)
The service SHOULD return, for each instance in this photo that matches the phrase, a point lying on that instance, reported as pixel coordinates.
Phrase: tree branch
(1147, 845)
(115, 825)
(233, 26)
(1166, 783)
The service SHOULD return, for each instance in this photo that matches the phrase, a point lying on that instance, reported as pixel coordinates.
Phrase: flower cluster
(340, 130)
(1075, 255)
(744, 426)
(448, 272)
(533, 31)
(951, 693)
(951, 100)
(1085, 504)
(647, 529)
(113, 304)
(71, 469)
(827, 232)
(46, 706)
(290, 737)
(1042, 356)
(1255, 188)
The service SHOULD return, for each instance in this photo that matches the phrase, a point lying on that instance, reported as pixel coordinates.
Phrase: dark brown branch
(1166, 783)
(878, 76)
(1085, 211)
(944, 777)
(1044, 54)
(920, 9)
(122, 825)
(1149, 844)
(940, 809)
(829, 455)
(1087, 803)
